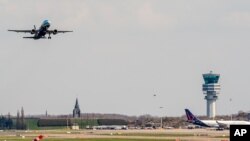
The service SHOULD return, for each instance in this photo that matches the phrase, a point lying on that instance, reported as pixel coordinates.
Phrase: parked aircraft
(213, 123)
(42, 31)
(204, 123)
(111, 127)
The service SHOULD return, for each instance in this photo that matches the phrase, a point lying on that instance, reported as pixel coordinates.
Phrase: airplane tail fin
(190, 116)
(40, 137)
(193, 119)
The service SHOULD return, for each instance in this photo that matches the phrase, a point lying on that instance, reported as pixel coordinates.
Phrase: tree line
(6, 122)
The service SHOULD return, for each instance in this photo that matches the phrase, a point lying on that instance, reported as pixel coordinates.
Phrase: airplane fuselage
(42, 30)
(208, 123)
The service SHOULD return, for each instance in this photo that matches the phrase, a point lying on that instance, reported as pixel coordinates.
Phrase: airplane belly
(41, 34)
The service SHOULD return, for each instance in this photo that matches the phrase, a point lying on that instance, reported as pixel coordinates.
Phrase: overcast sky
(121, 53)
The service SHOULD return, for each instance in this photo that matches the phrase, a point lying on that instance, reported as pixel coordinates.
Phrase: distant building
(76, 111)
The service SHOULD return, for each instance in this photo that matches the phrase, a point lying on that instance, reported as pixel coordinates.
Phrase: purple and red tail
(190, 116)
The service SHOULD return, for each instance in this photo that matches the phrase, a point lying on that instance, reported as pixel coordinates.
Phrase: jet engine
(33, 31)
(55, 32)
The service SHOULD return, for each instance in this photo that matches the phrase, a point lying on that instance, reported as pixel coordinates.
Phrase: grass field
(91, 139)
(116, 135)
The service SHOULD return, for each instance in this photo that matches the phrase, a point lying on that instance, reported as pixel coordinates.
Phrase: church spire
(76, 111)
(77, 105)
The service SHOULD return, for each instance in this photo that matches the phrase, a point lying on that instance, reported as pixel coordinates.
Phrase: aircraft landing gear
(49, 37)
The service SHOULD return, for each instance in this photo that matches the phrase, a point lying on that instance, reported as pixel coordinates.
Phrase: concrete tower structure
(211, 89)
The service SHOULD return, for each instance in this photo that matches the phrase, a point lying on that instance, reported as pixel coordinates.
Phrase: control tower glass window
(211, 78)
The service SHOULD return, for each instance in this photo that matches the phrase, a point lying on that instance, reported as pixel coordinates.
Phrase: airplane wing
(24, 31)
(222, 125)
(58, 31)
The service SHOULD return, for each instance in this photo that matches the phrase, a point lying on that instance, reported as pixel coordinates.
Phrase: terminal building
(211, 89)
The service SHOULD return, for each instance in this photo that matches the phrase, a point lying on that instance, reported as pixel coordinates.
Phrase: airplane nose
(46, 23)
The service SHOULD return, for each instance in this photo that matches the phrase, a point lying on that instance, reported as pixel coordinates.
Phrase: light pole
(230, 100)
(67, 122)
(161, 116)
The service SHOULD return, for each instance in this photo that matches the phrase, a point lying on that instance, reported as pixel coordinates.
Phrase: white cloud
(237, 19)
(149, 18)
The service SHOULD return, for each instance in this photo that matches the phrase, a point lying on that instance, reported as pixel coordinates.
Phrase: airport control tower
(211, 89)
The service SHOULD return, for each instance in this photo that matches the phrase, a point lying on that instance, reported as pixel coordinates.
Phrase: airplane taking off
(213, 123)
(42, 31)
